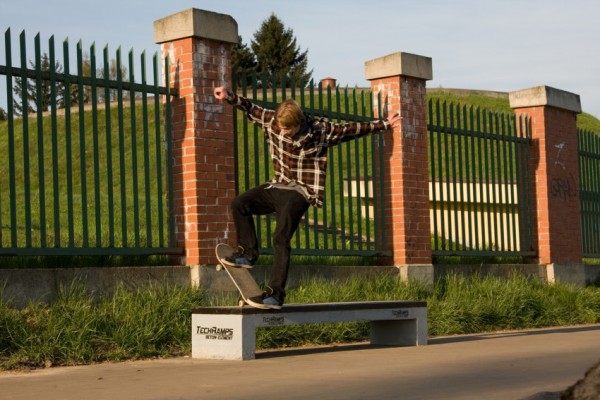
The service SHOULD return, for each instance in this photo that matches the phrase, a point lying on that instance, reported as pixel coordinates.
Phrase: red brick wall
(555, 164)
(407, 223)
(203, 152)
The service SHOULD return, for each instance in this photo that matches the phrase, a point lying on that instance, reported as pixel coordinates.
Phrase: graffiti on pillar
(562, 185)
(563, 188)
(557, 161)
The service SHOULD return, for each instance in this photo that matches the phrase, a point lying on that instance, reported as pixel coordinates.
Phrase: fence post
(400, 78)
(555, 163)
(199, 45)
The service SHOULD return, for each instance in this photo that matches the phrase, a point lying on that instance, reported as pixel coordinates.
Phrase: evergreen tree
(29, 98)
(243, 61)
(278, 54)
(3, 115)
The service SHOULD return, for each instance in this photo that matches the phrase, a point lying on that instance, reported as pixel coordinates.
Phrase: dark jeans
(289, 206)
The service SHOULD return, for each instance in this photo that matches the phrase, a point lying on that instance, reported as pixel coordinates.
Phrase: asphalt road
(510, 365)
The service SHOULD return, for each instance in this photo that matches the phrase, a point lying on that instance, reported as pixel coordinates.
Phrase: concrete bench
(229, 333)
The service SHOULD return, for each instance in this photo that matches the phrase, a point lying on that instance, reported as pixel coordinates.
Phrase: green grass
(77, 329)
(155, 322)
(585, 121)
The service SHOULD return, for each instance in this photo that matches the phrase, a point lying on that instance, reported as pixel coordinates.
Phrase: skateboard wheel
(241, 303)
(219, 267)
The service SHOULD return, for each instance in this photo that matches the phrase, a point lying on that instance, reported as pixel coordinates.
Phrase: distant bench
(229, 333)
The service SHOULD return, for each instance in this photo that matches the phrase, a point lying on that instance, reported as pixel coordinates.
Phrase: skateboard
(241, 277)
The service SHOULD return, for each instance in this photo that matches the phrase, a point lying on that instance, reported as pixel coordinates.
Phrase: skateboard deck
(241, 277)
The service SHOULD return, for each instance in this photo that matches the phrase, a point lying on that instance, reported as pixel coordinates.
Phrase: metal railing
(589, 184)
(91, 177)
(480, 189)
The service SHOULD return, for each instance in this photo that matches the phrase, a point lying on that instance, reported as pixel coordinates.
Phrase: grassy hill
(498, 101)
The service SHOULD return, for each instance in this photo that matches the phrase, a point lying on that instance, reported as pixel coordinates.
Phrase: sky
(503, 45)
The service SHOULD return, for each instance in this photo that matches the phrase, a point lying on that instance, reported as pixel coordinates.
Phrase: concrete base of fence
(20, 286)
(573, 273)
(417, 272)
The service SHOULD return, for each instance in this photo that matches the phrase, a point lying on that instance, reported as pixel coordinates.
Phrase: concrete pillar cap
(545, 96)
(396, 64)
(196, 23)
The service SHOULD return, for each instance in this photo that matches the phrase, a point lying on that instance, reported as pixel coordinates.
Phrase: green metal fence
(589, 178)
(84, 164)
(348, 222)
(480, 188)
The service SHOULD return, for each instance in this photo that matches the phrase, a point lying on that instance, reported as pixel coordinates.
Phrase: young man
(298, 147)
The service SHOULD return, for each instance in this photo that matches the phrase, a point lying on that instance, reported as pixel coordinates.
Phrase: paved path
(513, 365)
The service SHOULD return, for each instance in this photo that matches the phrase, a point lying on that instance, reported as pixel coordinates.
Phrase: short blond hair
(289, 114)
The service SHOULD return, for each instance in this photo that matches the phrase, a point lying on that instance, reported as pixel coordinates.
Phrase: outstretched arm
(338, 133)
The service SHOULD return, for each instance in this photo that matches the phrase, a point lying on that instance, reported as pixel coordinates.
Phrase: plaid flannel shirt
(302, 159)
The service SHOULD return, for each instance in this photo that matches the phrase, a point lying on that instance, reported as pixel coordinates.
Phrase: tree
(277, 53)
(3, 116)
(30, 99)
(113, 71)
(243, 61)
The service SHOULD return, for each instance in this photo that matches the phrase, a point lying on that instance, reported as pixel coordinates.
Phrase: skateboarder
(298, 146)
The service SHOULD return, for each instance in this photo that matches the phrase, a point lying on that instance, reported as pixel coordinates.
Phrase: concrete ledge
(396, 64)
(229, 333)
(196, 23)
(545, 96)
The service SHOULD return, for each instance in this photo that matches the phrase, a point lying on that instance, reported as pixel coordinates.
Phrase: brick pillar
(199, 44)
(401, 79)
(555, 164)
